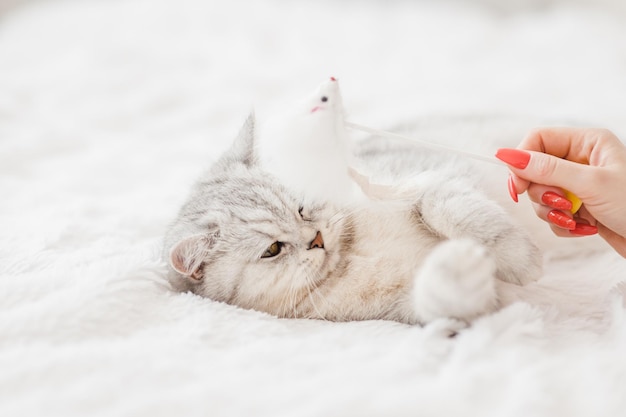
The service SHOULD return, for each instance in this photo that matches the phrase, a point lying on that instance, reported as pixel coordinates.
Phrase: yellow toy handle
(576, 202)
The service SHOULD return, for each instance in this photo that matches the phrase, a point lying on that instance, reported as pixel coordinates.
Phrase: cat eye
(273, 250)
(324, 99)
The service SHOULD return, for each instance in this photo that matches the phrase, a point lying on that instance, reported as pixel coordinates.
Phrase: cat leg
(457, 280)
(451, 208)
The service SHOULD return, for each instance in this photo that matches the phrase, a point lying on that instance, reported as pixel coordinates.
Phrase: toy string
(424, 143)
(576, 202)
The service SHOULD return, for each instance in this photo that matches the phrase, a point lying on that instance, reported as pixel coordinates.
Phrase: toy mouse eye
(273, 250)
(324, 99)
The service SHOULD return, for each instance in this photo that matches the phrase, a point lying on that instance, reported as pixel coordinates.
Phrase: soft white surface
(108, 111)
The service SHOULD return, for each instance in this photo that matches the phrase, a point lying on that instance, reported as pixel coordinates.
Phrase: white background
(110, 109)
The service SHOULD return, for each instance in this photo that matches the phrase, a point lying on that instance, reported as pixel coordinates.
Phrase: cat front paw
(519, 260)
(457, 281)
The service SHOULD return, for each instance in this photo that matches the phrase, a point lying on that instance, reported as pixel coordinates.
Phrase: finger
(549, 196)
(560, 232)
(546, 169)
(542, 213)
(574, 144)
(562, 224)
(583, 216)
(580, 231)
(541, 194)
(520, 184)
(555, 217)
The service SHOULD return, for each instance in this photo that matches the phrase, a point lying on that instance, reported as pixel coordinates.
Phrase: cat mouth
(319, 268)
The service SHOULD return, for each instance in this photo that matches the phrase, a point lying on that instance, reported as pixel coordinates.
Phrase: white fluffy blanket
(110, 109)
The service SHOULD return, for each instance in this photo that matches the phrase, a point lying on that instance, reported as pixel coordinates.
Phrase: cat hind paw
(457, 281)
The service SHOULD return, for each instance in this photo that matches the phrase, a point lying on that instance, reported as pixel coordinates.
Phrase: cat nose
(318, 242)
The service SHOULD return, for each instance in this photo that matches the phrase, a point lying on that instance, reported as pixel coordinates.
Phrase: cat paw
(445, 328)
(457, 280)
(520, 261)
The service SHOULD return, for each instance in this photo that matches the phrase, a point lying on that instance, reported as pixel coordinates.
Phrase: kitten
(430, 246)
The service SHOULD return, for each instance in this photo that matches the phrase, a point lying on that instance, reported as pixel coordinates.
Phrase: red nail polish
(512, 189)
(561, 219)
(584, 230)
(556, 201)
(514, 157)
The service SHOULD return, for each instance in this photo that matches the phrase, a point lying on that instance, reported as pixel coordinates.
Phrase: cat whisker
(344, 214)
(295, 303)
(289, 305)
(293, 293)
(313, 279)
(310, 289)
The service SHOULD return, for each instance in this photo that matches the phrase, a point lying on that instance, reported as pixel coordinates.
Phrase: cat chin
(322, 262)
(327, 263)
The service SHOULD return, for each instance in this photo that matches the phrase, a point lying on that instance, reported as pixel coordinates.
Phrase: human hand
(590, 163)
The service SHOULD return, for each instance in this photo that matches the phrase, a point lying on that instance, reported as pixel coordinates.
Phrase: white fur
(110, 109)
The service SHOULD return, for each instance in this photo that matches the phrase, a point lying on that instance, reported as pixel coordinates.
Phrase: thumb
(541, 168)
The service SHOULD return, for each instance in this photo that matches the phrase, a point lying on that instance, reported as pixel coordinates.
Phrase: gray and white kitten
(430, 245)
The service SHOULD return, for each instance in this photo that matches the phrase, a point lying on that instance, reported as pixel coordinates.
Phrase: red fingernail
(562, 220)
(556, 201)
(512, 189)
(514, 157)
(584, 230)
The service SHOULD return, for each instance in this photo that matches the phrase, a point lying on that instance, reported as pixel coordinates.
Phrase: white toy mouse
(309, 150)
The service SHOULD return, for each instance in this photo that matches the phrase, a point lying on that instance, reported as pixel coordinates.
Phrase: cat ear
(188, 256)
(243, 147)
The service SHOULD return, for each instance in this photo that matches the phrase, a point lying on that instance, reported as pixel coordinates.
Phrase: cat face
(242, 238)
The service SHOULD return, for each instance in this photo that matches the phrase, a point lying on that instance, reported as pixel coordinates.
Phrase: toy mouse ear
(370, 189)
(189, 255)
